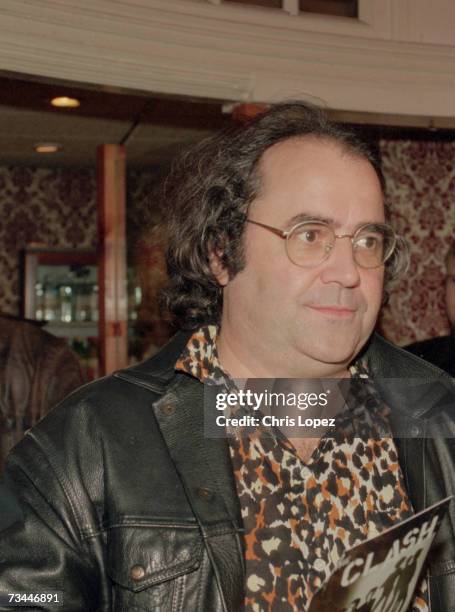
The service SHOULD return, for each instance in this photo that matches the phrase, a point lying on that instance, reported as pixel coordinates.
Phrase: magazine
(381, 574)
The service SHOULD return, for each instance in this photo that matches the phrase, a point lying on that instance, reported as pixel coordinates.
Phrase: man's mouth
(342, 312)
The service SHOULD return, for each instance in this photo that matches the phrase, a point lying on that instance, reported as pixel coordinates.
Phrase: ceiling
(152, 129)
(21, 129)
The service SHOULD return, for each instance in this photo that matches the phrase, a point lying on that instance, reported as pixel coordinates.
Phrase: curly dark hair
(207, 196)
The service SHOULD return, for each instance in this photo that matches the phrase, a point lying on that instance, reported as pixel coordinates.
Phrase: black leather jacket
(128, 507)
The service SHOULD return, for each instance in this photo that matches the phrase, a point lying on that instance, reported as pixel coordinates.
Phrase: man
(277, 255)
(441, 351)
(37, 370)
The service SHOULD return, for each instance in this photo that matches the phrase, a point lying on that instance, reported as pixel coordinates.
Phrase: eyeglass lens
(309, 244)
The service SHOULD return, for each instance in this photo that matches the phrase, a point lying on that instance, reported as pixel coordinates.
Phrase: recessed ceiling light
(65, 102)
(47, 147)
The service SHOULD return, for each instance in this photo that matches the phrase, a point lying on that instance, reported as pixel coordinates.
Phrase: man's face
(450, 292)
(307, 320)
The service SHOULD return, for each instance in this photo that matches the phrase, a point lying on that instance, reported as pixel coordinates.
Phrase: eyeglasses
(310, 243)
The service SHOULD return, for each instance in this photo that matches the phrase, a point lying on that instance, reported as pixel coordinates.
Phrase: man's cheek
(373, 294)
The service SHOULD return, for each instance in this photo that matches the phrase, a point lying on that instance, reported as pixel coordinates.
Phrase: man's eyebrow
(301, 217)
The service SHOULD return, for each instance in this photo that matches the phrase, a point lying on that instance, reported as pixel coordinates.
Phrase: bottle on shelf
(50, 301)
(82, 302)
(39, 302)
(93, 299)
(66, 303)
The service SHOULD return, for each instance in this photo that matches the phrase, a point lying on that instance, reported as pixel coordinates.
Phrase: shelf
(75, 329)
(79, 329)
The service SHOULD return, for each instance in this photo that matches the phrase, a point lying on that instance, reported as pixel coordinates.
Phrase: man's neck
(242, 363)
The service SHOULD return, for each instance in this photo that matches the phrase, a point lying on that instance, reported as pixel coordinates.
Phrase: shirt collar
(200, 358)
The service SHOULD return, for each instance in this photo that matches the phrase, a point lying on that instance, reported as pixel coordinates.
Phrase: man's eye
(309, 236)
(368, 242)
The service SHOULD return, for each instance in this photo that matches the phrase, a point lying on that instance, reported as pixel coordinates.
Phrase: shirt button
(319, 565)
(137, 572)
(204, 494)
(168, 408)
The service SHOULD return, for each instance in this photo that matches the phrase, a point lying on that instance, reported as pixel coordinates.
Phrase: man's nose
(340, 267)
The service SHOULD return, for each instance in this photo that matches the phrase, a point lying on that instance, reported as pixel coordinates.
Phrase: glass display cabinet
(60, 288)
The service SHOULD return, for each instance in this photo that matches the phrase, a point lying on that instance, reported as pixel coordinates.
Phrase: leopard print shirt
(299, 517)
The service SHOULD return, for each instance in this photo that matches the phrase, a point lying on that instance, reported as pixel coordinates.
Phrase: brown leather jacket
(37, 370)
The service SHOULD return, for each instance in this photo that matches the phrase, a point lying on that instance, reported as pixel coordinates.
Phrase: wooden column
(245, 111)
(113, 299)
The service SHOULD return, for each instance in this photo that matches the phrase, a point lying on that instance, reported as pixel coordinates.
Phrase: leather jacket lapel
(411, 453)
(206, 472)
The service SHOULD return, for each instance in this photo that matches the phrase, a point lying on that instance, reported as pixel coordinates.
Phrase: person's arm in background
(37, 371)
(57, 374)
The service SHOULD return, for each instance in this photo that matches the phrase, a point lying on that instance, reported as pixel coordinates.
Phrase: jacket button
(168, 409)
(205, 494)
(137, 572)
(414, 431)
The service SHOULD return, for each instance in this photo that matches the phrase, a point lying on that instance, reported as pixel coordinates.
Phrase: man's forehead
(305, 157)
(304, 145)
(315, 178)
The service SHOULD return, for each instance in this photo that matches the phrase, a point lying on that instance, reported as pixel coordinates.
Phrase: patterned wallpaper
(420, 177)
(58, 208)
(54, 207)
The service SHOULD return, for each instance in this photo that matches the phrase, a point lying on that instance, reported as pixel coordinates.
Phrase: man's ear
(218, 269)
